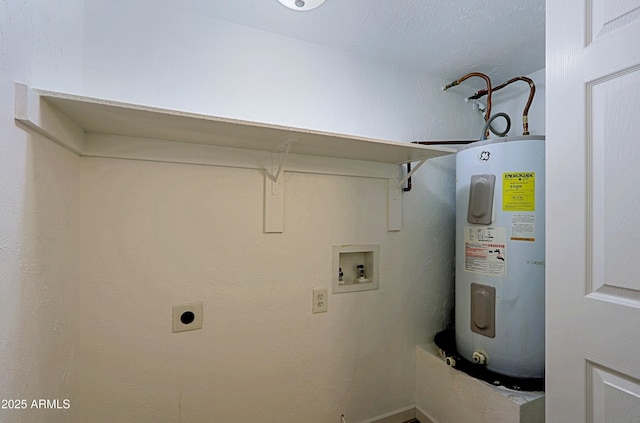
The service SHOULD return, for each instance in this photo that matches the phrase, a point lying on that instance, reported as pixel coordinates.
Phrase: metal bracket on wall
(277, 159)
(273, 190)
(410, 173)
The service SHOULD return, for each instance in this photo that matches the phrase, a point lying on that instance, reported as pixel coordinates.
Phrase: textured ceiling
(444, 38)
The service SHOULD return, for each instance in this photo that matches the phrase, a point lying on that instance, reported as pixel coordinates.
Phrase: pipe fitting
(488, 90)
(479, 357)
(525, 113)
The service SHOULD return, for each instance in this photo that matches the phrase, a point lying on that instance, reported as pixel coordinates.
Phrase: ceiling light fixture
(302, 5)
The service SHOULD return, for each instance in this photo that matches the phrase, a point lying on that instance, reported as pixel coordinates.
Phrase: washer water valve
(480, 357)
(361, 277)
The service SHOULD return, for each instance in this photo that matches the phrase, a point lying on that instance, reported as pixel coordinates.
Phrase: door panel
(593, 211)
(615, 398)
(609, 15)
(614, 103)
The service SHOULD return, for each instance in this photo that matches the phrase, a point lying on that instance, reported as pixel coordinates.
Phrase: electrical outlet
(320, 300)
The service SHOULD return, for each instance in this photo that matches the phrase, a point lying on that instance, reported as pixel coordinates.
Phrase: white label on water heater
(523, 227)
(485, 250)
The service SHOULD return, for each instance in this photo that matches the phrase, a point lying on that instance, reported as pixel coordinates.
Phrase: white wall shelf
(102, 128)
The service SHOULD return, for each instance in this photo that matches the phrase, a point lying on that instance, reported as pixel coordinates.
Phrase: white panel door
(593, 211)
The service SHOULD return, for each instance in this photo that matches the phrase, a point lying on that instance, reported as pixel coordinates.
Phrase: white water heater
(499, 295)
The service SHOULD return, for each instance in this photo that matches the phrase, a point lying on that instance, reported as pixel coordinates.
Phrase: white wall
(168, 57)
(40, 43)
(154, 235)
(157, 235)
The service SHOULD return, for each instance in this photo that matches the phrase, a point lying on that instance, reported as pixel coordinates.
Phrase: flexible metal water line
(525, 113)
(488, 126)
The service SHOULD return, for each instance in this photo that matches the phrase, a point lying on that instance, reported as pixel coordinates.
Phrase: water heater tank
(499, 318)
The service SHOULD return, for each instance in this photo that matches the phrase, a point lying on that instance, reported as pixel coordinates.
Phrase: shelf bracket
(278, 157)
(274, 190)
(394, 197)
(410, 174)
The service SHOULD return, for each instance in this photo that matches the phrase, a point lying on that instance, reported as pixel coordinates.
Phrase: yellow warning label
(518, 191)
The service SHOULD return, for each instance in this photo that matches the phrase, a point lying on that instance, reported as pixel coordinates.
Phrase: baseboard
(399, 415)
(422, 416)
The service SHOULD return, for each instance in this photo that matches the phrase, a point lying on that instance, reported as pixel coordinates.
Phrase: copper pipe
(525, 113)
(487, 91)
